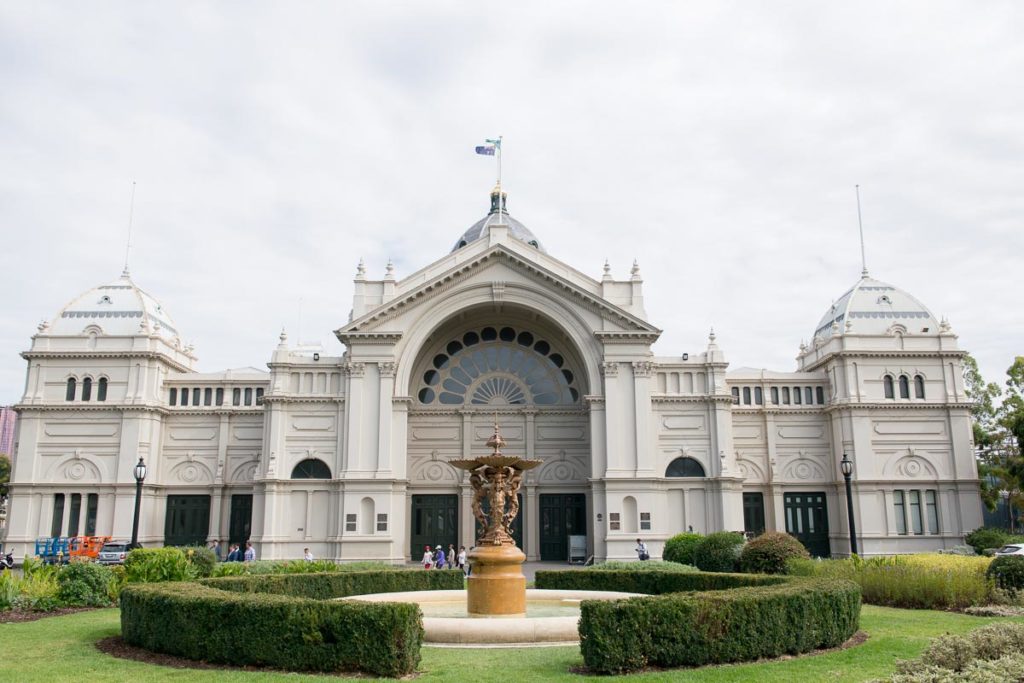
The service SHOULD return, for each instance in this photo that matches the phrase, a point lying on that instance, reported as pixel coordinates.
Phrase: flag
(487, 150)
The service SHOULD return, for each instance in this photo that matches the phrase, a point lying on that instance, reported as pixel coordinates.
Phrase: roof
(118, 308)
(872, 307)
(498, 217)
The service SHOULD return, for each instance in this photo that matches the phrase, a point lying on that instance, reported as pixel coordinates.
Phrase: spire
(125, 275)
(860, 225)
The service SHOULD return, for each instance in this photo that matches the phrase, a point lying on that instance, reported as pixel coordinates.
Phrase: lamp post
(846, 465)
(140, 476)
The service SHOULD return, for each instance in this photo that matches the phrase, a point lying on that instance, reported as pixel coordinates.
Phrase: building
(347, 455)
(8, 420)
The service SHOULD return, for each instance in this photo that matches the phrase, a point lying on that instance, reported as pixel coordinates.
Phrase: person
(461, 563)
(250, 552)
(428, 558)
(641, 550)
(215, 547)
(306, 555)
(233, 554)
(439, 557)
(451, 556)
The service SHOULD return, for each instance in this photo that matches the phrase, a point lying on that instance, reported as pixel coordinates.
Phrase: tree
(5, 474)
(998, 427)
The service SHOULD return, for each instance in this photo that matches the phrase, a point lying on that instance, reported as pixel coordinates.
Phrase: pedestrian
(428, 558)
(306, 555)
(641, 550)
(233, 555)
(451, 556)
(461, 563)
(439, 557)
(215, 547)
(250, 552)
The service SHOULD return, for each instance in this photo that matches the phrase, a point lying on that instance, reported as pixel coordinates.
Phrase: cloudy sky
(274, 144)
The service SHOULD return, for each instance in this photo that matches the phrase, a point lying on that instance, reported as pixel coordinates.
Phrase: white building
(347, 454)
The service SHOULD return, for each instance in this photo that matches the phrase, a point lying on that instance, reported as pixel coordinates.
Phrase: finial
(635, 270)
(944, 326)
(389, 271)
(803, 347)
(283, 338)
(361, 270)
(835, 328)
(43, 326)
(607, 268)
(849, 325)
(496, 442)
(711, 335)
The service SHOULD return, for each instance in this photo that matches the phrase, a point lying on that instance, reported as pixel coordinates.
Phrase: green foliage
(328, 585)
(296, 567)
(38, 592)
(10, 589)
(202, 559)
(986, 654)
(645, 566)
(151, 565)
(718, 552)
(769, 552)
(84, 584)
(203, 623)
(695, 629)
(651, 582)
(986, 537)
(680, 548)
(1007, 572)
(5, 473)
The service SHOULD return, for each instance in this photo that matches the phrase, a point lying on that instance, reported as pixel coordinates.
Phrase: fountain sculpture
(497, 586)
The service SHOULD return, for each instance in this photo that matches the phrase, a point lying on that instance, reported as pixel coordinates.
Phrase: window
(904, 387)
(382, 521)
(901, 512)
(918, 386)
(236, 397)
(808, 395)
(746, 396)
(915, 512)
(248, 396)
(69, 395)
(101, 391)
(259, 397)
(220, 396)
(775, 396)
(796, 396)
(91, 507)
(785, 396)
(819, 393)
(645, 521)
(684, 467)
(887, 383)
(613, 521)
(311, 468)
(57, 525)
(76, 513)
(350, 521)
(173, 398)
(933, 511)
(759, 396)
(87, 389)
(207, 397)
(735, 396)
(196, 396)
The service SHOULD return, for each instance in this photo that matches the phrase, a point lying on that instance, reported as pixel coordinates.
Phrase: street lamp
(846, 465)
(140, 476)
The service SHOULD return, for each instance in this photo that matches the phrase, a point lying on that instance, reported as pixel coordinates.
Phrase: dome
(515, 228)
(872, 307)
(118, 308)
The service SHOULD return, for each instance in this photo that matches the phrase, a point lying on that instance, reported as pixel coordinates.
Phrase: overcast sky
(274, 144)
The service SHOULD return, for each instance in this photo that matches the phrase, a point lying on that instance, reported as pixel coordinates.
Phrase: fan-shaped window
(498, 366)
(904, 387)
(311, 468)
(685, 467)
(69, 394)
(887, 384)
(101, 389)
(918, 386)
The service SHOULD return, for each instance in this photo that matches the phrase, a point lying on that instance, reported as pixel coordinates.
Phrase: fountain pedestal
(497, 586)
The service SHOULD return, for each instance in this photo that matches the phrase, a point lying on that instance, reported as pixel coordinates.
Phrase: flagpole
(500, 203)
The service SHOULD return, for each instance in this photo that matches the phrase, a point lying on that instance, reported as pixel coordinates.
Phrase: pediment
(497, 266)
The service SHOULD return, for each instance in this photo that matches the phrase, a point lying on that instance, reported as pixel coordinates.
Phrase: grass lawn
(61, 648)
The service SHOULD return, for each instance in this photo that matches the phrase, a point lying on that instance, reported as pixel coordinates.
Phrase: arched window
(887, 383)
(918, 386)
(775, 396)
(69, 395)
(87, 388)
(808, 395)
(173, 398)
(311, 468)
(785, 396)
(366, 512)
(758, 396)
(796, 396)
(819, 393)
(904, 387)
(101, 390)
(746, 396)
(684, 467)
(735, 396)
(629, 515)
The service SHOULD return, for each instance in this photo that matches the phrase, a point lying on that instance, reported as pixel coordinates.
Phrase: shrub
(201, 558)
(202, 623)
(1007, 572)
(327, 585)
(718, 552)
(297, 567)
(150, 565)
(10, 588)
(38, 591)
(986, 537)
(645, 566)
(774, 616)
(769, 552)
(84, 584)
(949, 654)
(680, 548)
(651, 583)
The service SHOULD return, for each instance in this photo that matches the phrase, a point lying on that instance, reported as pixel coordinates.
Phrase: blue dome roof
(515, 228)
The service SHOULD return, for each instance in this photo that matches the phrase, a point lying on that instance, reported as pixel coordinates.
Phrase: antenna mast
(860, 225)
(131, 216)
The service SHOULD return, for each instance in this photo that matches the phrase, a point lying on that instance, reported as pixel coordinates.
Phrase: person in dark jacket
(235, 555)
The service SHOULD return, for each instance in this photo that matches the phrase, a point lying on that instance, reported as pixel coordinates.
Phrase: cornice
(686, 398)
(293, 398)
(152, 355)
(374, 338)
(497, 410)
(896, 405)
(889, 353)
(626, 336)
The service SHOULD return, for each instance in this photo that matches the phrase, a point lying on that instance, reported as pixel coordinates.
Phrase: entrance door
(187, 521)
(561, 515)
(807, 521)
(240, 525)
(753, 513)
(435, 520)
(517, 525)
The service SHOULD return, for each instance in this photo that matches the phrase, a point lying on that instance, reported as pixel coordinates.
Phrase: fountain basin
(552, 617)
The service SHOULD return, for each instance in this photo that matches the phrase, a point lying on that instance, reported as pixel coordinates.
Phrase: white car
(1012, 549)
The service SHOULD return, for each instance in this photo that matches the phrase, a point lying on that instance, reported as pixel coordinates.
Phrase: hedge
(285, 621)
(761, 616)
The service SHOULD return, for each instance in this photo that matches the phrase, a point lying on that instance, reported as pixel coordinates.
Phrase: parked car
(113, 552)
(1012, 549)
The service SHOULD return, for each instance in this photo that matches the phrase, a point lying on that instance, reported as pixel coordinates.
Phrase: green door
(807, 521)
(753, 513)
(435, 520)
(561, 515)
(240, 525)
(187, 521)
(517, 524)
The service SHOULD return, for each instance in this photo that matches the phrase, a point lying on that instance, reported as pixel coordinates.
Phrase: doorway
(753, 513)
(807, 521)
(561, 515)
(240, 522)
(434, 521)
(187, 521)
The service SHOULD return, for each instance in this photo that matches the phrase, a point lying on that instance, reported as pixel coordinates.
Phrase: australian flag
(487, 150)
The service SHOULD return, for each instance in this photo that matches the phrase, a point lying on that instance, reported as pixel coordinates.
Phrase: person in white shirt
(250, 552)
(306, 555)
(461, 562)
(641, 550)
(428, 558)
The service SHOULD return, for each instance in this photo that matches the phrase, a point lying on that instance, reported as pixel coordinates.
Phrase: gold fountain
(497, 585)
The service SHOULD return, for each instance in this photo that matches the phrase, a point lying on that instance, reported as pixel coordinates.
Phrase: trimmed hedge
(719, 552)
(680, 548)
(762, 616)
(1008, 572)
(769, 552)
(285, 621)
